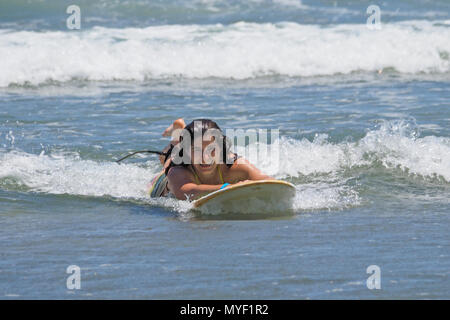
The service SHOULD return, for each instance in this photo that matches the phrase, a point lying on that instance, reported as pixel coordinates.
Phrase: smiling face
(204, 161)
(206, 141)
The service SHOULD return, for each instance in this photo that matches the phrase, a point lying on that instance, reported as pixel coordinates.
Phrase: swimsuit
(197, 180)
(159, 183)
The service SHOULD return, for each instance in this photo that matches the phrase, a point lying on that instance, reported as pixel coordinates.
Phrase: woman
(195, 177)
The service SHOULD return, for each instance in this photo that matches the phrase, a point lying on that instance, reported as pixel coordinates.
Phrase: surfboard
(263, 196)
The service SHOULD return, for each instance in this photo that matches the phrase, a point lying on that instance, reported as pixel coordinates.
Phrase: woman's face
(203, 159)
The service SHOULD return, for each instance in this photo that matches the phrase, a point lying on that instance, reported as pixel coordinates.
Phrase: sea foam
(318, 166)
(236, 51)
(395, 145)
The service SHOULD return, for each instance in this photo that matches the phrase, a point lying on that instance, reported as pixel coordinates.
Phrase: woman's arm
(182, 182)
(182, 185)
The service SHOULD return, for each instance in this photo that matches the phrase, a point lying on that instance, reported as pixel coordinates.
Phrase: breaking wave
(237, 51)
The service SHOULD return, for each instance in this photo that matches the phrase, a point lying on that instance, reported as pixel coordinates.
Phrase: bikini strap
(220, 174)
(197, 180)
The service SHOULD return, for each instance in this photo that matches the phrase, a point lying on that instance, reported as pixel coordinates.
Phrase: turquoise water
(364, 130)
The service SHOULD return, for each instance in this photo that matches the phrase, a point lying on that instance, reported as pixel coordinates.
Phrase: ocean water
(364, 123)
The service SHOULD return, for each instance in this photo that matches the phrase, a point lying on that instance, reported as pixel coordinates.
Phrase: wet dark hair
(205, 125)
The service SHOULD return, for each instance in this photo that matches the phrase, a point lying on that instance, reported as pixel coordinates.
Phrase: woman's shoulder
(177, 171)
(238, 170)
(240, 163)
(245, 170)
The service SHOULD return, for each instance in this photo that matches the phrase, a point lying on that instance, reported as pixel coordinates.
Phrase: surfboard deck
(249, 197)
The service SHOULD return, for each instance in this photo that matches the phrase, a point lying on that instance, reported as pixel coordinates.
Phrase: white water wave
(237, 51)
(394, 145)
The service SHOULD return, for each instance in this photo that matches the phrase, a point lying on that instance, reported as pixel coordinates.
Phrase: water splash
(323, 172)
